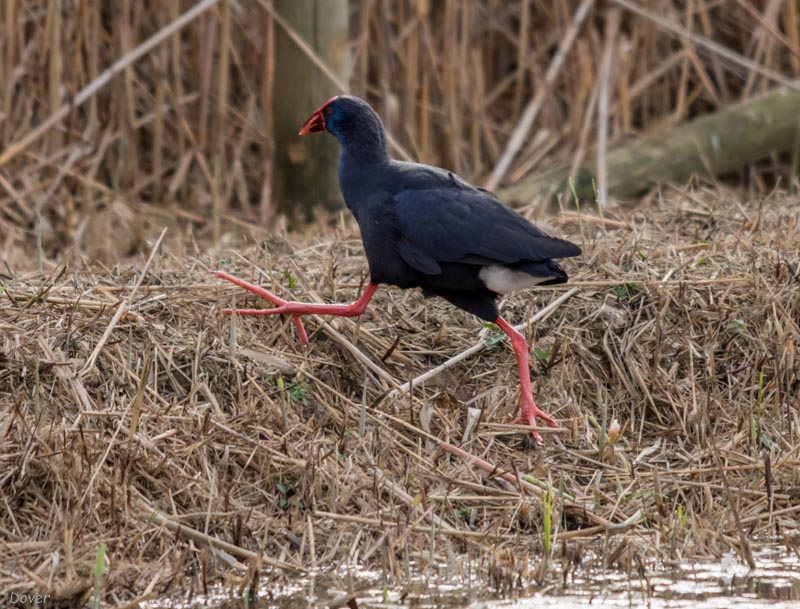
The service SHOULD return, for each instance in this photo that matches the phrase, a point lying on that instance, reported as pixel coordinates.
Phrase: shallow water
(775, 583)
(699, 586)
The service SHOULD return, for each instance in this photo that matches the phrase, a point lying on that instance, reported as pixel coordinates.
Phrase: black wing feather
(417, 258)
(449, 225)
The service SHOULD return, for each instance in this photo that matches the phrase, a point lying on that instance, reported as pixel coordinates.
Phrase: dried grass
(197, 446)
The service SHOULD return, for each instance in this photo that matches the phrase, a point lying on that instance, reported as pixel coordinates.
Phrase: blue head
(354, 123)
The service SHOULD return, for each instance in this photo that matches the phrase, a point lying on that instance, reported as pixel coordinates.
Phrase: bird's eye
(329, 110)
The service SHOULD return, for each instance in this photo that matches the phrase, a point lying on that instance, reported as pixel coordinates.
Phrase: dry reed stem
(604, 78)
(104, 79)
(711, 46)
(523, 128)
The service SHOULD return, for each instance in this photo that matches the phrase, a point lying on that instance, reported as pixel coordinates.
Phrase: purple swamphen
(426, 227)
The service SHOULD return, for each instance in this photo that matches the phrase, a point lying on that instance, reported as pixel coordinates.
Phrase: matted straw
(196, 440)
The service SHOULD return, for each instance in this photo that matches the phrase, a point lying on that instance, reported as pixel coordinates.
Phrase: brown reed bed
(185, 129)
(203, 450)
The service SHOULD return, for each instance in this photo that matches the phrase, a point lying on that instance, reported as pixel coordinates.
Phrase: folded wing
(449, 225)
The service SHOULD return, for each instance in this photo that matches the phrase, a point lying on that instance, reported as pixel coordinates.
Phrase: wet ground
(729, 583)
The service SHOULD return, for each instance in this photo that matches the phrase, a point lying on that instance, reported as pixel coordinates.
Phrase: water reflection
(722, 585)
(777, 591)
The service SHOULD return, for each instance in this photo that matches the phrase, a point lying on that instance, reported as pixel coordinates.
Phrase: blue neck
(363, 143)
(362, 164)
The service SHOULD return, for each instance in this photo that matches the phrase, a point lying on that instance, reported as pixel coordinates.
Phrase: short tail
(549, 270)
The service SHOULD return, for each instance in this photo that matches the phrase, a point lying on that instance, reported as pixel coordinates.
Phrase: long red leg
(528, 408)
(296, 309)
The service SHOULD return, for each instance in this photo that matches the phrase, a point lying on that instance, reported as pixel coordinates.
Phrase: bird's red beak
(316, 122)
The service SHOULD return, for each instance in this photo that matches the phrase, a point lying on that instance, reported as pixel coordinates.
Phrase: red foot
(528, 414)
(259, 291)
(528, 408)
(296, 309)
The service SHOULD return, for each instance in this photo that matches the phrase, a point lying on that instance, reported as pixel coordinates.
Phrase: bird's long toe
(255, 289)
(301, 329)
(296, 318)
(529, 411)
(283, 306)
(254, 312)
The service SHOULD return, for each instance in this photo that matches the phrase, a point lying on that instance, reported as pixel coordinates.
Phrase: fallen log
(710, 145)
